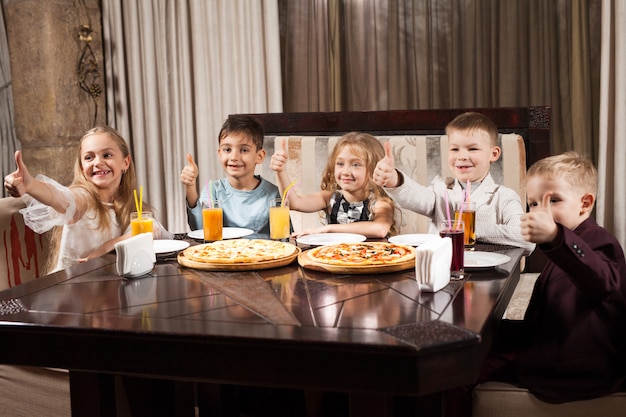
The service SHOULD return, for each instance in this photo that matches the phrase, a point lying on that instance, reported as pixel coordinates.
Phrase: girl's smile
(102, 162)
(351, 173)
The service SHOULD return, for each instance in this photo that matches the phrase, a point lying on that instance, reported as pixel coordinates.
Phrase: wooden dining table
(374, 337)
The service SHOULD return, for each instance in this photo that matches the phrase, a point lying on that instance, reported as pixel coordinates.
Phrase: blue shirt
(247, 209)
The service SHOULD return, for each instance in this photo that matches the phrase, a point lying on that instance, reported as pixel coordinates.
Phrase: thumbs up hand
(385, 174)
(18, 182)
(190, 172)
(538, 225)
(279, 159)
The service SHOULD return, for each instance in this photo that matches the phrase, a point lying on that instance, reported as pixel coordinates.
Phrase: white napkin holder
(135, 256)
(432, 264)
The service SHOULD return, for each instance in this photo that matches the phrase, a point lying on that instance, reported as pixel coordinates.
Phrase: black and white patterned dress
(343, 212)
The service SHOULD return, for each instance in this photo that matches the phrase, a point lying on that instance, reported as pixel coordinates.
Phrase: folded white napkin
(432, 264)
(135, 256)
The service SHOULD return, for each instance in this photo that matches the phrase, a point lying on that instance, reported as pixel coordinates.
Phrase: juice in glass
(212, 222)
(455, 230)
(143, 224)
(279, 220)
(469, 218)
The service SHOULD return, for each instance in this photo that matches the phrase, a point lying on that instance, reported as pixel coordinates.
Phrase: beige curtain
(612, 162)
(8, 140)
(420, 54)
(175, 70)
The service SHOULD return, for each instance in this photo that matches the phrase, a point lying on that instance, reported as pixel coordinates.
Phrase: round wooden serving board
(307, 262)
(255, 266)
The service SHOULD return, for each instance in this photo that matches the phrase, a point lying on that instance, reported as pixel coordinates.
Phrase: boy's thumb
(284, 145)
(190, 159)
(545, 204)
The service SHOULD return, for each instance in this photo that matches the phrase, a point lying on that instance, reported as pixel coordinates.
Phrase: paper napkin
(432, 264)
(135, 256)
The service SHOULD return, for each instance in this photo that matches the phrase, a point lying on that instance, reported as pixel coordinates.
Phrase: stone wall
(52, 111)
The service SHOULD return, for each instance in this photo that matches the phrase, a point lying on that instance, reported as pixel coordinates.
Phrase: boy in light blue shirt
(245, 197)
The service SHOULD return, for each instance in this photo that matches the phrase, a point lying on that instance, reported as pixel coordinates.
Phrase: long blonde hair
(123, 200)
(368, 148)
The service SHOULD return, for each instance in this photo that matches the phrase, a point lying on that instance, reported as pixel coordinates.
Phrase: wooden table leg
(104, 395)
(92, 395)
(380, 405)
(371, 405)
(216, 400)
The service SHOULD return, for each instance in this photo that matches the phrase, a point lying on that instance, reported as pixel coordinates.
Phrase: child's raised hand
(190, 172)
(385, 174)
(279, 159)
(538, 226)
(17, 183)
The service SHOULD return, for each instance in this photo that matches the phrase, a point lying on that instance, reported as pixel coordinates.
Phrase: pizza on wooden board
(362, 254)
(239, 251)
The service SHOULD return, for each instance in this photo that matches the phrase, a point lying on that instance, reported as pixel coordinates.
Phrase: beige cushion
(421, 157)
(23, 252)
(497, 399)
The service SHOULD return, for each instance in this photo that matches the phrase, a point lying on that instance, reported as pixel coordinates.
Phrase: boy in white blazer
(472, 147)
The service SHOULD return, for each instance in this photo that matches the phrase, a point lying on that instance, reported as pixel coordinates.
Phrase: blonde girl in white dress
(94, 211)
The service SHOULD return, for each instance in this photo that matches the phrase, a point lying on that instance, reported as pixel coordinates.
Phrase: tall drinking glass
(279, 219)
(468, 215)
(455, 230)
(212, 221)
(141, 224)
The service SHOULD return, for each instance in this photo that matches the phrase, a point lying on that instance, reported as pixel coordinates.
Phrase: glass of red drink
(455, 230)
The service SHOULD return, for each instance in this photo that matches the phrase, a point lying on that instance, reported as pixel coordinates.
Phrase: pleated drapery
(611, 202)
(175, 70)
(8, 140)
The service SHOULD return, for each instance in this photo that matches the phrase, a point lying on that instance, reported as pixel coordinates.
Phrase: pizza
(362, 254)
(237, 251)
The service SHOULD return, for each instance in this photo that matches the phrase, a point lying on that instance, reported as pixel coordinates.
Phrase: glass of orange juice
(212, 221)
(279, 219)
(141, 224)
(469, 218)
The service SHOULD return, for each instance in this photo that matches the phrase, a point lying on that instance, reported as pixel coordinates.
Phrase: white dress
(78, 239)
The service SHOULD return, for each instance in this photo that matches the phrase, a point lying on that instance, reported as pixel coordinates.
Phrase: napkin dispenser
(135, 256)
(432, 264)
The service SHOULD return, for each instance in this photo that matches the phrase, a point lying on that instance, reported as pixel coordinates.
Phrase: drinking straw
(210, 193)
(285, 193)
(296, 185)
(209, 190)
(462, 206)
(447, 207)
(140, 202)
(136, 202)
(467, 189)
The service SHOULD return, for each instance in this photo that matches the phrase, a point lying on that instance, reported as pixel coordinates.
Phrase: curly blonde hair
(371, 150)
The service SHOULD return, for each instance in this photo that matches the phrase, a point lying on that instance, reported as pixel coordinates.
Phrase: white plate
(411, 239)
(477, 259)
(162, 246)
(330, 238)
(227, 233)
